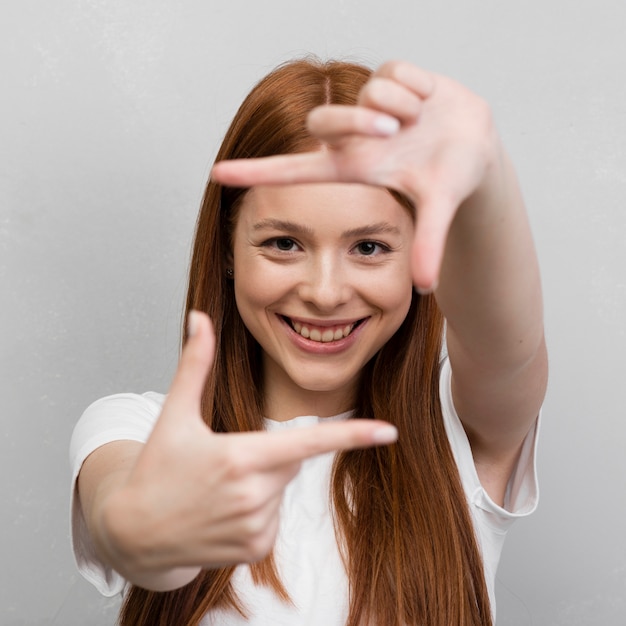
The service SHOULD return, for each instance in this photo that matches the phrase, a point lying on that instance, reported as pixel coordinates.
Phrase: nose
(326, 284)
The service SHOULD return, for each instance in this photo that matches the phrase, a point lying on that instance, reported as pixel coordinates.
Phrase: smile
(322, 334)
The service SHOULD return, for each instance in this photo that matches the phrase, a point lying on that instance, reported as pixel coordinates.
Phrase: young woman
(320, 459)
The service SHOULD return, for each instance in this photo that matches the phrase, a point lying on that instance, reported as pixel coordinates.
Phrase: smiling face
(322, 281)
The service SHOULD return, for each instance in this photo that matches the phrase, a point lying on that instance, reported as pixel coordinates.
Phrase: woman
(348, 214)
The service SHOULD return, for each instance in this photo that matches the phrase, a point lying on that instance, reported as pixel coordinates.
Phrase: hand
(413, 131)
(199, 499)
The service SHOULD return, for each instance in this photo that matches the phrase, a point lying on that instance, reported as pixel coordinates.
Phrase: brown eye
(367, 248)
(285, 244)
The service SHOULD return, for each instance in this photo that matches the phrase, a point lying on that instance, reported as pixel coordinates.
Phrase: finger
(415, 78)
(271, 450)
(309, 167)
(241, 538)
(332, 123)
(434, 217)
(391, 97)
(196, 359)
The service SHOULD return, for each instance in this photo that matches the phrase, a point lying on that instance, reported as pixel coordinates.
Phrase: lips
(322, 334)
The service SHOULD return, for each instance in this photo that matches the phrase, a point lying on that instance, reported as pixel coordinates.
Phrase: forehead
(340, 204)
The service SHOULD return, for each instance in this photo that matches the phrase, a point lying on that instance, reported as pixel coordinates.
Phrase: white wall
(110, 113)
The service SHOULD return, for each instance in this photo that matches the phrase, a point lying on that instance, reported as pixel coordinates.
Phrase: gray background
(110, 114)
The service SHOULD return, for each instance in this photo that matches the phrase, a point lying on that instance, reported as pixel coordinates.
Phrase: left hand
(413, 131)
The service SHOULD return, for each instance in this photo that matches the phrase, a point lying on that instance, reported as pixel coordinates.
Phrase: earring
(229, 272)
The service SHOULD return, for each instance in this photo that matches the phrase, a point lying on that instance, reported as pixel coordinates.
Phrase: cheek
(250, 284)
(249, 293)
(254, 293)
(250, 309)
(395, 301)
(392, 289)
(399, 306)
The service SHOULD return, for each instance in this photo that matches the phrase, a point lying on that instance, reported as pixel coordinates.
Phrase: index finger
(308, 167)
(271, 450)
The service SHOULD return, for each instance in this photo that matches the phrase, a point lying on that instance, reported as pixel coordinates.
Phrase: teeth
(328, 335)
(325, 335)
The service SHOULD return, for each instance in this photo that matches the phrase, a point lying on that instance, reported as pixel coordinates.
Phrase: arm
(490, 293)
(431, 139)
(101, 483)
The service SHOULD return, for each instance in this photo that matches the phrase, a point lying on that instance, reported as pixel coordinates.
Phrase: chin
(324, 384)
(321, 386)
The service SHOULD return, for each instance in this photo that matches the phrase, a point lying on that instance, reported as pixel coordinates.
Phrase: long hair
(401, 516)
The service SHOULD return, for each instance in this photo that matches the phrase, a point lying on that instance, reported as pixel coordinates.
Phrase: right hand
(198, 499)
(437, 146)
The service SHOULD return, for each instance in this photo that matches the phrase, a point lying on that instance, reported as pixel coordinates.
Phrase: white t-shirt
(306, 551)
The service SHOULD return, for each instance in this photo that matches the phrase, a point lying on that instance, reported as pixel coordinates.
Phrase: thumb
(195, 361)
(433, 223)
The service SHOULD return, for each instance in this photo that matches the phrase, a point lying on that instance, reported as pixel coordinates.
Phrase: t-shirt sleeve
(114, 418)
(522, 493)
(491, 521)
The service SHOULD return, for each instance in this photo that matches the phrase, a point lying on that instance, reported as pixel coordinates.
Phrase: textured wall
(110, 113)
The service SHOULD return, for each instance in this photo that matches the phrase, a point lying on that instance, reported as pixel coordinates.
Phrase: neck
(284, 399)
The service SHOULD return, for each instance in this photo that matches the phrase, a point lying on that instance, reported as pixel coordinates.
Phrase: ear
(229, 259)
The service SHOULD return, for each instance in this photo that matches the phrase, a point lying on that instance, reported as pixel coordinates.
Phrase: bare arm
(434, 141)
(490, 294)
(104, 473)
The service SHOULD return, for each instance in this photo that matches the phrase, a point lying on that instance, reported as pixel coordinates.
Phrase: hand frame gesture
(412, 131)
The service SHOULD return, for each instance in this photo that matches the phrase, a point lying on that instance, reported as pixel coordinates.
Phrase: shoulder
(120, 416)
(122, 410)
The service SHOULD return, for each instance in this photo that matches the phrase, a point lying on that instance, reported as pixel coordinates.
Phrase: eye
(281, 244)
(370, 248)
(284, 244)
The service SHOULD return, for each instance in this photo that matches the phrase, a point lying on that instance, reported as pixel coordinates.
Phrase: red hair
(401, 515)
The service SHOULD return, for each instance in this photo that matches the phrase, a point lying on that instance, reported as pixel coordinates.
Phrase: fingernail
(192, 323)
(385, 434)
(386, 125)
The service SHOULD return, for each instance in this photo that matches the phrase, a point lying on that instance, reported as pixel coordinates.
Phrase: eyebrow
(378, 228)
(271, 223)
(361, 231)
